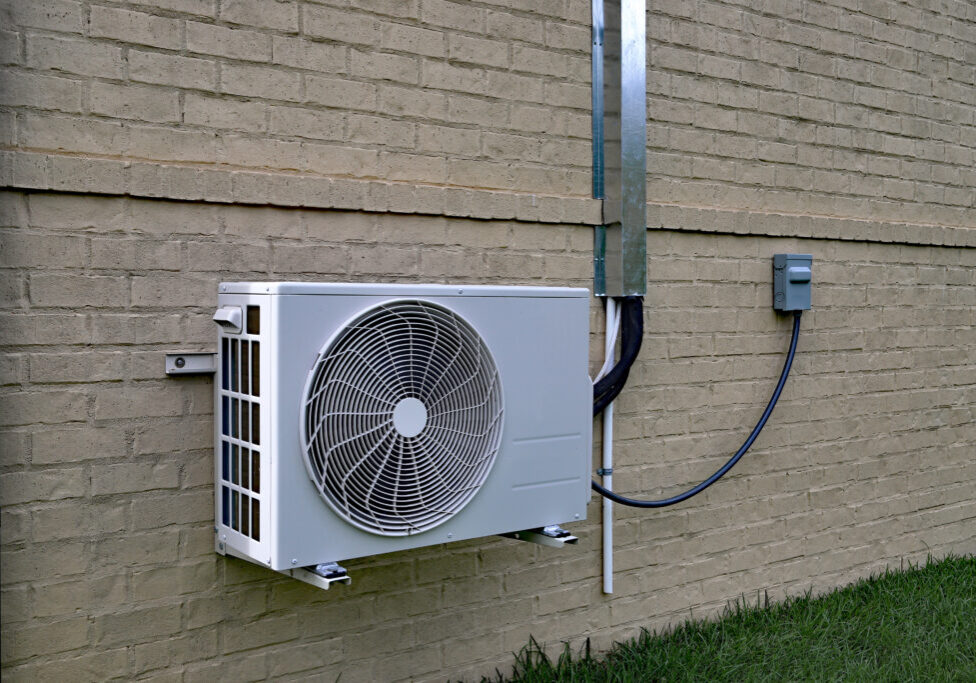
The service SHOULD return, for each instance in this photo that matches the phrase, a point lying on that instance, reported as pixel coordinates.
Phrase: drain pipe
(619, 96)
(607, 467)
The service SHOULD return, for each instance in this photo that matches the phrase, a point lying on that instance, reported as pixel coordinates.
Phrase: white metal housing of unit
(358, 419)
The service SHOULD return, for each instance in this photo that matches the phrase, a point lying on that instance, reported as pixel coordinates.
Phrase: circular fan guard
(402, 417)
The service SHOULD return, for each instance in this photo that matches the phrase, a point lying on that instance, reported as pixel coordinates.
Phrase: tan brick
(55, 15)
(238, 605)
(136, 550)
(310, 259)
(47, 407)
(308, 123)
(78, 291)
(165, 582)
(306, 54)
(74, 56)
(464, 141)
(226, 42)
(98, 665)
(162, 437)
(126, 328)
(128, 102)
(381, 131)
(278, 15)
(130, 477)
(124, 254)
(132, 401)
(478, 51)
(261, 222)
(260, 151)
(20, 89)
(412, 102)
(50, 132)
(136, 625)
(23, 487)
(9, 47)
(386, 67)
(21, 249)
(206, 256)
(166, 69)
(171, 145)
(268, 631)
(304, 657)
(76, 518)
(332, 91)
(67, 597)
(342, 25)
(243, 667)
(14, 528)
(224, 113)
(16, 604)
(187, 648)
(170, 509)
(58, 636)
(48, 560)
(265, 82)
(418, 41)
(461, 78)
(135, 27)
(77, 367)
(203, 8)
(418, 661)
(348, 161)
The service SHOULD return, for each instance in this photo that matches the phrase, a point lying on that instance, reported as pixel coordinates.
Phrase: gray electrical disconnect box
(792, 275)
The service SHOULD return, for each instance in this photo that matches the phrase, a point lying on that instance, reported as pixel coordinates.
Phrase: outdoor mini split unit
(358, 419)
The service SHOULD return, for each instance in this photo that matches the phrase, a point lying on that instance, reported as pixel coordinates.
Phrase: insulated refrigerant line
(695, 490)
(613, 327)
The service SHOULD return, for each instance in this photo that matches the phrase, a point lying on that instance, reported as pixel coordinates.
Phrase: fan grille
(402, 418)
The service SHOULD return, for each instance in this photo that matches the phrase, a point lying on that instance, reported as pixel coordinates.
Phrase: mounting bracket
(553, 536)
(191, 363)
(321, 575)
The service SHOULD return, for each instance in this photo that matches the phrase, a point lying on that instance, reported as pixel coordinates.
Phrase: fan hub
(410, 417)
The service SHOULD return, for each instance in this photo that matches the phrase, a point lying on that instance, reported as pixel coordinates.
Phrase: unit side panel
(242, 467)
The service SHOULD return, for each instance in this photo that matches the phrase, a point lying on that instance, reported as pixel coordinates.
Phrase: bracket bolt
(180, 362)
(294, 561)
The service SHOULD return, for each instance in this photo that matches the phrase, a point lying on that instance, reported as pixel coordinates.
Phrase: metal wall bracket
(321, 575)
(553, 536)
(191, 363)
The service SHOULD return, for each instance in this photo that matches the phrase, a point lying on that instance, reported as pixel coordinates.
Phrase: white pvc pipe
(610, 343)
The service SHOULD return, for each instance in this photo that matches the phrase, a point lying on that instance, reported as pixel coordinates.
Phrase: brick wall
(151, 150)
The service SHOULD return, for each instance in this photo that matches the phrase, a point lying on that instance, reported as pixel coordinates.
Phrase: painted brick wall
(153, 149)
(853, 107)
(108, 566)
(863, 108)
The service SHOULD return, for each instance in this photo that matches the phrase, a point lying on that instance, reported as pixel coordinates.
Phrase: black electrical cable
(633, 502)
(632, 334)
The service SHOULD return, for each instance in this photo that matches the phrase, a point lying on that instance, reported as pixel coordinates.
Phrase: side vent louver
(240, 430)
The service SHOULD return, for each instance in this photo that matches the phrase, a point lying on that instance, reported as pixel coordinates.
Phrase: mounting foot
(321, 575)
(553, 536)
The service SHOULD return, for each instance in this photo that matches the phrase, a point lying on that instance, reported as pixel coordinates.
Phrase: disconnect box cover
(792, 280)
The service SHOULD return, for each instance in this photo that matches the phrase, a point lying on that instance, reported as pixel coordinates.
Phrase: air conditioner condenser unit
(358, 419)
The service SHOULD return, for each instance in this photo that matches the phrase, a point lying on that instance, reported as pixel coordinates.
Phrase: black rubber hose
(631, 336)
(617, 498)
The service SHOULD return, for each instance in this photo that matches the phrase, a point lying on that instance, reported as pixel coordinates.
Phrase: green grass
(914, 625)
